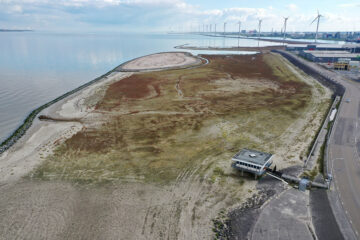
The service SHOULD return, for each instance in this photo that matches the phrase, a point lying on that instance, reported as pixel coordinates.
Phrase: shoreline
(41, 137)
(20, 131)
(34, 139)
(23, 128)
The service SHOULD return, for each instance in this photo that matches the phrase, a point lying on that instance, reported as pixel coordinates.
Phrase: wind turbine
(285, 21)
(239, 33)
(215, 29)
(239, 27)
(260, 21)
(318, 21)
(224, 28)
(210, 27)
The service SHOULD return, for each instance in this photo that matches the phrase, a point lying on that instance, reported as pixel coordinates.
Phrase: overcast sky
(165, 15)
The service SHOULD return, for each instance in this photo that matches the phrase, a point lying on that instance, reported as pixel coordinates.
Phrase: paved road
(344, 156)
(285, 217)
(324, 221)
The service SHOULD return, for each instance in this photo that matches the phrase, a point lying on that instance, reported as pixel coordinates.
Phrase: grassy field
(162, 125)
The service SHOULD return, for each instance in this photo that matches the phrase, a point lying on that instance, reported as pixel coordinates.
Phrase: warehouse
(329, 56)
(353, 48)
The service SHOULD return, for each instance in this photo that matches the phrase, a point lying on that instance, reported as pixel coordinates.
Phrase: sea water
(36, 67)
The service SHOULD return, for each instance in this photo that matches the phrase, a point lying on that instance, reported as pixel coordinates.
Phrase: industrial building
(252, 161)
(329, 56)
(352, 48)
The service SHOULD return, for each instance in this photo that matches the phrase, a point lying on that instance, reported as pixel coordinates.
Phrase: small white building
(252, 161)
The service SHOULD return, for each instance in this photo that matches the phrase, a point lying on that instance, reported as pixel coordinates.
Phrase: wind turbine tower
(285, 21)
(260, 21)
(239, 27)
(210, 27)
(215, 28)
(224, 28)
(317, 27)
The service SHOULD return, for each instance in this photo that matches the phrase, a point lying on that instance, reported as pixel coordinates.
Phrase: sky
(176, 15)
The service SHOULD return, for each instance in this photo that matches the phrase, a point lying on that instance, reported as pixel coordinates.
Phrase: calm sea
(37, 67)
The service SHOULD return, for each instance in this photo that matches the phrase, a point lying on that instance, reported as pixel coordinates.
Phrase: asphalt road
(343, 159)
(324, 221)
(344, 153)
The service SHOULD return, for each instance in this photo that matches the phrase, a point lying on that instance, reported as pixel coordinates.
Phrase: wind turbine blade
(314, 20)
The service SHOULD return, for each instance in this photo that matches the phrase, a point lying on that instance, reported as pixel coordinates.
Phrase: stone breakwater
(21, 130)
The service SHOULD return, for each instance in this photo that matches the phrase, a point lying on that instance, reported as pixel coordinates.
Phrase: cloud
(15, 9)
(349, 5)
(292, 7)
(154, 15)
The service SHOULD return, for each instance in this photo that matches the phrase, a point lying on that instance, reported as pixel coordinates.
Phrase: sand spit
(160, 61)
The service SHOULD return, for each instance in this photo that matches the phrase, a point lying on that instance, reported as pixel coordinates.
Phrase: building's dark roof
(252, 156)
(329, 54)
